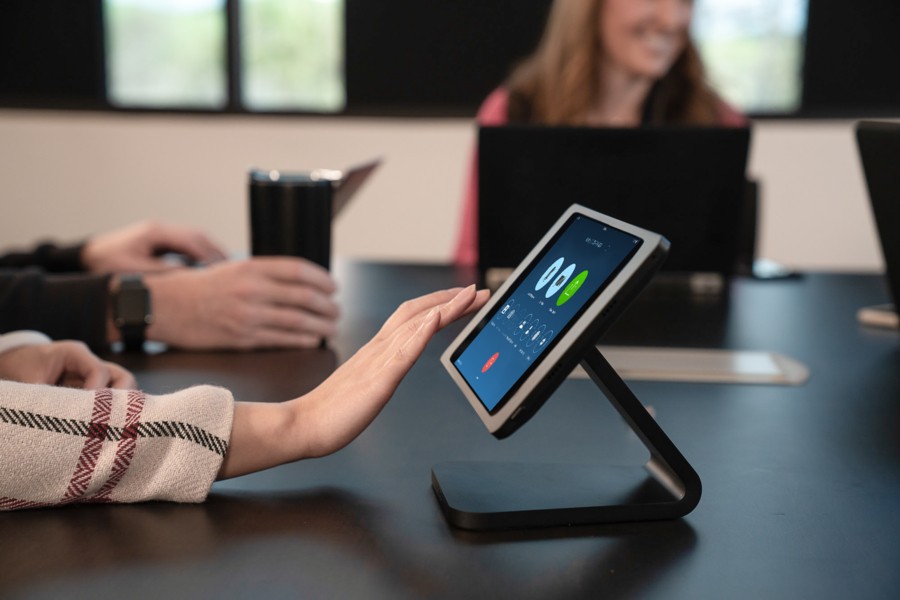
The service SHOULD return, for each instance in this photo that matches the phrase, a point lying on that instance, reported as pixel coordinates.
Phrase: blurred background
(117, 110)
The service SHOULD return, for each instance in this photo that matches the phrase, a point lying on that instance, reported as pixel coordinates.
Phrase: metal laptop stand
(491, 496)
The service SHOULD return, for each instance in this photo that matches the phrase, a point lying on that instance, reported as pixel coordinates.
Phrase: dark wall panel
(429, 54)
(51, 52)
(852, 65)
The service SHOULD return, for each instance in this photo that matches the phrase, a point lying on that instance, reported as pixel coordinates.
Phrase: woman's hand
(66, 363)
(332, 415)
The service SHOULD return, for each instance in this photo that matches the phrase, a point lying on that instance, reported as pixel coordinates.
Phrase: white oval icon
(549, 273)
(560, 281)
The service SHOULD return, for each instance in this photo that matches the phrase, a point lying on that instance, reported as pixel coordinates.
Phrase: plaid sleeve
(64, 446)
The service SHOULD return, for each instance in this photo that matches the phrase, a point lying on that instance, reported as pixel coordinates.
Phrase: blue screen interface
(579, 263)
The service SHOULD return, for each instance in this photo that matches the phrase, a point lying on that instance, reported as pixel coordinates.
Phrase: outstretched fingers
(466, 302)
(453, 303)
(408, 340)
(413, 308)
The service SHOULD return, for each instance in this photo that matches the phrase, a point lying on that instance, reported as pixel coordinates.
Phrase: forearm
(265, 435)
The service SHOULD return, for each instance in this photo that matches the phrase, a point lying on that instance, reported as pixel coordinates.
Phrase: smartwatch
(131, 310)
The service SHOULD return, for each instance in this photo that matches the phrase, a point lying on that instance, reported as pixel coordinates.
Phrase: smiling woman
(642, 40)
(603, 63)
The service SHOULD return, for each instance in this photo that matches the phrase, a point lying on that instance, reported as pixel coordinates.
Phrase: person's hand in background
(265, 302)
(66, 363)
(141, 248)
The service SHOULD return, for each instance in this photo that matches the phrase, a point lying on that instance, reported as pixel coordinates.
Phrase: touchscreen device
(524, 342)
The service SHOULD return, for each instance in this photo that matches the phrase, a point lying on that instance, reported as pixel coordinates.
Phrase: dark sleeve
(50, 257)
(62, 306)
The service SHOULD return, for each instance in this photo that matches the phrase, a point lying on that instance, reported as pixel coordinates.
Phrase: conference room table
(801, 483)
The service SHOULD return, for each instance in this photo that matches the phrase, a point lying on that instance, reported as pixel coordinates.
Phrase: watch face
(132, 303)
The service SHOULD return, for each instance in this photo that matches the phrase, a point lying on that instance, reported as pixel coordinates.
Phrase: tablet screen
(539, 308)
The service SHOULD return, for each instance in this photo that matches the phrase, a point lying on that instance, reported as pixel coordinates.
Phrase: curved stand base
(491, 496)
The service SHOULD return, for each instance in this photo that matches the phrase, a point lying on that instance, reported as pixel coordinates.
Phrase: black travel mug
(290, 215)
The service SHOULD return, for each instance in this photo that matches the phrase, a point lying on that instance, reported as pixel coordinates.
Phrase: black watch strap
(131, 310)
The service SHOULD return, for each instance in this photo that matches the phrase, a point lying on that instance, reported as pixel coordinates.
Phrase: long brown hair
(558, 83)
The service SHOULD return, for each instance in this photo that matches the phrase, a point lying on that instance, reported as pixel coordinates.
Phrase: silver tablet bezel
(546, 363)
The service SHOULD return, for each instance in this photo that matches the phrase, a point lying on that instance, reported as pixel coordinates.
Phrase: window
(173, 54)
(292, 55)
(753, 51)
(166, 53)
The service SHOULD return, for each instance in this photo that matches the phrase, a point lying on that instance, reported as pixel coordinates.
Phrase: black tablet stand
(491, 496)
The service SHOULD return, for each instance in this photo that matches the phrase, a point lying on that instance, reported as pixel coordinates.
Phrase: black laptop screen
(687, 183)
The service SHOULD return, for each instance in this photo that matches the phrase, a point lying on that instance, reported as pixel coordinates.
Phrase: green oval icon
(571, 288)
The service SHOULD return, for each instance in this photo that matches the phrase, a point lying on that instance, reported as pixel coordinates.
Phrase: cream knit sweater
(63, 446)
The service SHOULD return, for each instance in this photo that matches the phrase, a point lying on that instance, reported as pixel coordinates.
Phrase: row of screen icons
(527, 330)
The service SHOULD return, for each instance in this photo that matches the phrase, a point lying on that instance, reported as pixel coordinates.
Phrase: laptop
(687, 183)
(346, 183)
(879, 151)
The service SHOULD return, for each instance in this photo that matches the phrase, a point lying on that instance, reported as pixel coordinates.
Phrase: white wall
(65, 175)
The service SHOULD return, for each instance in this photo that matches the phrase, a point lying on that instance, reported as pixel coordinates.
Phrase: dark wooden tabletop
(801, 485)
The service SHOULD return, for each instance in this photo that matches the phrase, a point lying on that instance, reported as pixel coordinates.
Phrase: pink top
(493, 111)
